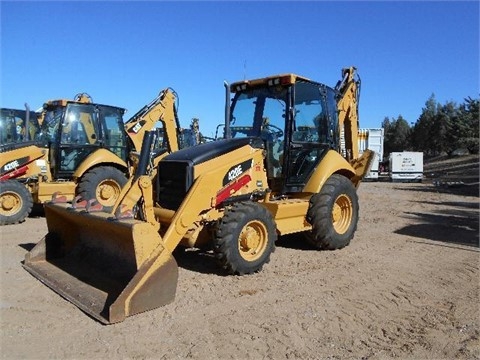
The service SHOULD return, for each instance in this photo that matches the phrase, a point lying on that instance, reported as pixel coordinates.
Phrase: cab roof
(64, 102)
(281, 79)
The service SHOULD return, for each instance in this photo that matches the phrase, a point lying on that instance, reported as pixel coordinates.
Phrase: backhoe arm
(347, 104)
(163, 109)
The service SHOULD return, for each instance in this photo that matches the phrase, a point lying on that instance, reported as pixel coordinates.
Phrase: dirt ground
(406, 287)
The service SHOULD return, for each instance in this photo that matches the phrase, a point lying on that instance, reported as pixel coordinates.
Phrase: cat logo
(136, 128)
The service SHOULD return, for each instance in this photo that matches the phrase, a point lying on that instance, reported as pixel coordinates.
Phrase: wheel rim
(11, 203)
(253, 240)
(342, 213)
(107, 192)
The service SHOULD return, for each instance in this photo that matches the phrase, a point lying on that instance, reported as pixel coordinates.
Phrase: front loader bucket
(109, 268)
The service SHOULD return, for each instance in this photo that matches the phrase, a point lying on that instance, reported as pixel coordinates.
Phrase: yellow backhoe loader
(278, 171)
(83, 149)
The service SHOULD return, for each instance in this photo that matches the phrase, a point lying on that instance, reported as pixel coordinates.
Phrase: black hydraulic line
(144, 158)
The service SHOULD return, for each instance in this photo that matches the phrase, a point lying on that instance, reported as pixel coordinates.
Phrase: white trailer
(372, 139)
(406, 166)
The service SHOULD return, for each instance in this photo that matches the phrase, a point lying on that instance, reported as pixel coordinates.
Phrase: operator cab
(74, 130)
(295, 117)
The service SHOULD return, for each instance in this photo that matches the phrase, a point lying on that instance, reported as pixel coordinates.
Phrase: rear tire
(103, 184)
(333, 214)
(15, 202)
(244, 238)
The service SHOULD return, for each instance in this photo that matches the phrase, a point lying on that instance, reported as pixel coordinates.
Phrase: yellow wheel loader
(278, 171)
(84, 149)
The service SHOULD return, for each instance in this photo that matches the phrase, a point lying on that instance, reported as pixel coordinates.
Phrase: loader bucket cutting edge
(110, 269)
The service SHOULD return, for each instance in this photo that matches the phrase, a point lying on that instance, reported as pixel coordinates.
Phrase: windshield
(262, 112)
(14, 127)
(52, 120)
(10, 127)
(258, 109)
(80, 125)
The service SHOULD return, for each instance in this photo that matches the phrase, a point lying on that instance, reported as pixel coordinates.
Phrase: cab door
(112, 130)
(310, 136)
(78, 138)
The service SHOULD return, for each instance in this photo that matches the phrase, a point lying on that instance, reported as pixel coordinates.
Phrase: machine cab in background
(17, 127)
(295, 117)
(74, 130)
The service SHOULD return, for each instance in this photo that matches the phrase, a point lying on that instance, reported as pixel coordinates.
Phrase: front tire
(244, 238)
(16, 202)
(103, 184)
(333, 214)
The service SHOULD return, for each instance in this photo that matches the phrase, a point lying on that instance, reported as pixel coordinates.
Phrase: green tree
(445, 128)
(402, 134)
(471, 121)
(397, 135)
(386, 124)
(421, 139)
(440, 132)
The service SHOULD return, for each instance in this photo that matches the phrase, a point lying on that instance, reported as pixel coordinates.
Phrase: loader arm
(163, 109)
(112, 267)
(139, 186)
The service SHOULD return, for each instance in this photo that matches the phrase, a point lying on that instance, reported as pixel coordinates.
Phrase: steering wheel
(275, 130)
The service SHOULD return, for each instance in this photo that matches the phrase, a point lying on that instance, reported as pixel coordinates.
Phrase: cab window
(310, 115)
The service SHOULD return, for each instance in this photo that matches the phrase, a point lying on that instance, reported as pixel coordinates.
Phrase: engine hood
(204, 152)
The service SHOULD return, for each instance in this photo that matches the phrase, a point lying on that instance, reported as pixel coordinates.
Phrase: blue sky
(123, 53)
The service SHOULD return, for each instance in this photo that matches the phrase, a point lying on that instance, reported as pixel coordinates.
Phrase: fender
(331, 163)
(99, 157)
